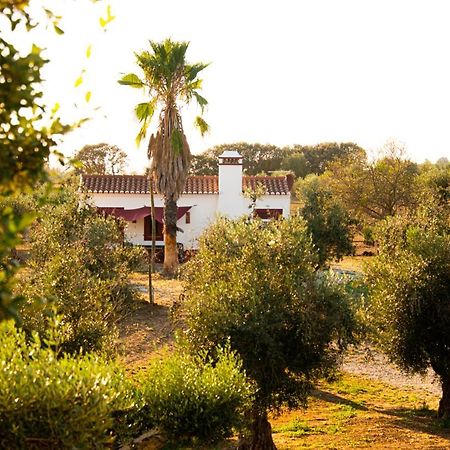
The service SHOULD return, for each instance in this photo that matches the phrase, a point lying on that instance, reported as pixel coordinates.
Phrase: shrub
(192, 397)
(56, 402)
(80, 268)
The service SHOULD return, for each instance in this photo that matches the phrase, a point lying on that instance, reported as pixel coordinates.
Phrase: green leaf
(35, 50)
(88, 51)
(202, 102)
(78, 81)
(58, 29)
(201, 125)
(109, 17)
(131, 80)
(88, 96)
(142, 132)
(144, 111)
(55, 108)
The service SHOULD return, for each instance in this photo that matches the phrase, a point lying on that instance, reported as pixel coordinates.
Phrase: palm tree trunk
(170, 236)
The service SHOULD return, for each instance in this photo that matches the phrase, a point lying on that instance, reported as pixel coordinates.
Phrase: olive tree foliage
(78, 269)
(102, 159)
(256, 285)
(410, 293)
(326, 219)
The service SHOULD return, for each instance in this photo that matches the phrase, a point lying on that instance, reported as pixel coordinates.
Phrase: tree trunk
(151, 268)
(261, 434)
(170, 236)
(444, 402)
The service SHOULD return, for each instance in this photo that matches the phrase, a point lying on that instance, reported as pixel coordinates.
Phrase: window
(159, 236)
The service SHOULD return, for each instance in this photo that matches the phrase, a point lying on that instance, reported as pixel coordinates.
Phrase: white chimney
(231, 200)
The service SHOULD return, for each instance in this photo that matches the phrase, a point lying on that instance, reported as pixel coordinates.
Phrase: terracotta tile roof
(207, 184)
(273, 185)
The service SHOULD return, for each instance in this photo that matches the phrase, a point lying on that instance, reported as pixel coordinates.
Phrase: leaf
(35, 50)
(131, 80)
(202, 102)
(78, 81)
(142, 133)
(201, 125)
(88, 96)
(58, 29)
(144, 111)
(88, 51)
(109, 17)
(55, 108)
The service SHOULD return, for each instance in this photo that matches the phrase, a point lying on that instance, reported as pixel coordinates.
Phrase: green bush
(79, 267)
(56, 402)
(192, 397)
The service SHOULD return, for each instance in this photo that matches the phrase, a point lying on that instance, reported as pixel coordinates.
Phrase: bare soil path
(373, 405)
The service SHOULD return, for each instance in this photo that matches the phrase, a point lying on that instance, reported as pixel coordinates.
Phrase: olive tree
(326, 219)
(255, 285)
(410, 292)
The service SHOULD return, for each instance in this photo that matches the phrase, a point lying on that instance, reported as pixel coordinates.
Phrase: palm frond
(194, 70)
(132, 80)
(201, 125)
(145, 111)
(202, 102)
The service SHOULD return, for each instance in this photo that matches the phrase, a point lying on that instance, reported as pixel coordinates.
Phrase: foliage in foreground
(56, 401)
(256, 285)
(410, 291)
(192, 397)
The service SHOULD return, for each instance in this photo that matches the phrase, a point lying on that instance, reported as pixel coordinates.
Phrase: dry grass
(351, 413)
(357, 413)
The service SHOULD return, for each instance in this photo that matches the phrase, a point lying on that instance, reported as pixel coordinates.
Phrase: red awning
(131, 215)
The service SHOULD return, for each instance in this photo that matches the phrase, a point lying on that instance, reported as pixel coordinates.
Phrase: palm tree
(170, 82)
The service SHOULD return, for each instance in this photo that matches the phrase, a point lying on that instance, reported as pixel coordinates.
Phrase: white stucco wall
(204, 210)
(202, 213)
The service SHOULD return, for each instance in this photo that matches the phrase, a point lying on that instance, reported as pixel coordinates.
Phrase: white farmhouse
(203, 199)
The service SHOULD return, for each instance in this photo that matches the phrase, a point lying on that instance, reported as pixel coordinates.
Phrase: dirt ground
(373, 405)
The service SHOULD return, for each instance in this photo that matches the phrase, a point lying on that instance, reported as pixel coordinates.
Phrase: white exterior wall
(202, 212)
(231, 202)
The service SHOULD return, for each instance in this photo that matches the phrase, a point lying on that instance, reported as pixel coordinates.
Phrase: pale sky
(284, 72)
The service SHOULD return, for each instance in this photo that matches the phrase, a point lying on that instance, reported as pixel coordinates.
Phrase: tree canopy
(410, 292)
(266, 158)
(102, 159)
(264, 297)
(374, 190)
(327, 220)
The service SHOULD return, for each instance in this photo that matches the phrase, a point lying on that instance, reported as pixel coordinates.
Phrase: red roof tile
(207, 184)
